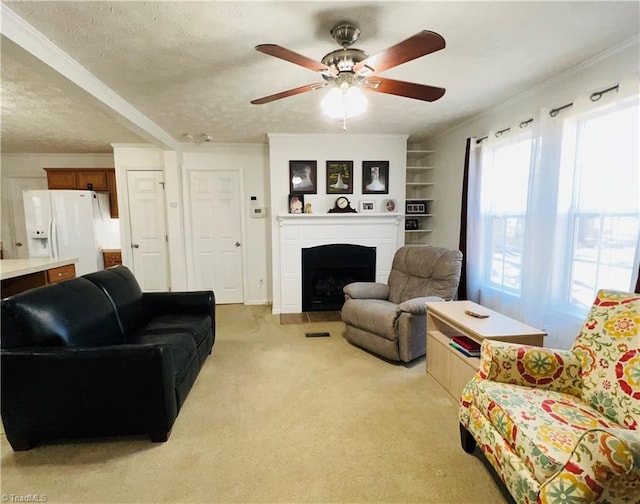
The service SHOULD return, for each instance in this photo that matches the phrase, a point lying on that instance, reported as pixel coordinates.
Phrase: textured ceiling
(43, 112)
(191, 67)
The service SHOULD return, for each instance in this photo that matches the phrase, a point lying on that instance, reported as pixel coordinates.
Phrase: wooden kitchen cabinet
(111, 257)
(97, 179)
(113, 193)
(19, 275)
(101, 179)
(61, 179)
(61, 273)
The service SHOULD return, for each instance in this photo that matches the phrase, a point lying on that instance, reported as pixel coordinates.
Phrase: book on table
(467, 343)
(464, 351)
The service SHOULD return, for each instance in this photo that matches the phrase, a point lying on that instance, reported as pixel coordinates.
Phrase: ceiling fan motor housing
(345, 34)
(343, 60)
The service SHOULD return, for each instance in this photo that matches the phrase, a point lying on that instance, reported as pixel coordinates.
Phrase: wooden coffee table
(447, 365)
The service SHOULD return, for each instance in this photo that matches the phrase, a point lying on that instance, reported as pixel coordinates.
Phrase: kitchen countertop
(11, 268)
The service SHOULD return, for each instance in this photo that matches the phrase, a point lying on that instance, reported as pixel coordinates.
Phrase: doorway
(148, 229)
(216, 227)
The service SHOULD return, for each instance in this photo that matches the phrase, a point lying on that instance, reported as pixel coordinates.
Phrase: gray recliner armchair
(390, 319)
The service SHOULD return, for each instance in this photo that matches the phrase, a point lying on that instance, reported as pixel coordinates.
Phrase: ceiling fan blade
(402, 88)
(290, 92)
(421, 44)
(293, 57)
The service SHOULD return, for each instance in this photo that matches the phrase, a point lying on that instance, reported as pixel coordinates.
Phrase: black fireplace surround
(326, 269)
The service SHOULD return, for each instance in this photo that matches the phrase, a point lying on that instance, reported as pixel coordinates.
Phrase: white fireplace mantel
(339, 218)
(298, 231)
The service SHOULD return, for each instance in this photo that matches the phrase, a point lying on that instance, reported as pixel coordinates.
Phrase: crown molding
(564, 74)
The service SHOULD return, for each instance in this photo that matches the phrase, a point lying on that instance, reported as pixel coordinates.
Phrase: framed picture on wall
(339, 177)
(303, 177)
(375, 177)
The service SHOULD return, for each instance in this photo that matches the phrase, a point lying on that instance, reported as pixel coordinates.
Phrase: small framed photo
(390, 205)
(410, 224)
(296, 203)
(375, 177)
(417, 207)
(303, 176)
(339, 177)
(367, 206)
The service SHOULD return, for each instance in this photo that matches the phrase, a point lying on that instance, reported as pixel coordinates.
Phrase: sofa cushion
(73, 313)
(419, 271)
(542, 426)
(123, 290)
(182, 346)
(195, 324)
(373, 315)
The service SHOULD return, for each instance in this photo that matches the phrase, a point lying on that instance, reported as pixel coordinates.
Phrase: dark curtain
(462, 287)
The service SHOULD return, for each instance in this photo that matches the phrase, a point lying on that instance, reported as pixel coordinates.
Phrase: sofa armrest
(366, 290)
(602, 457)
(161, 303)
(417, 306)
(65, 391)
(530, 366)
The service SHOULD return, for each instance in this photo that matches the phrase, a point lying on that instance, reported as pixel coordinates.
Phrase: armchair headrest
(420, 271)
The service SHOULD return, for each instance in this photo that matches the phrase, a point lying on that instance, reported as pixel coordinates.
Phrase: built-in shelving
(419, 196)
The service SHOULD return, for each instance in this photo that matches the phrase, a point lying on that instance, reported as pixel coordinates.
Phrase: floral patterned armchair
(563, 426)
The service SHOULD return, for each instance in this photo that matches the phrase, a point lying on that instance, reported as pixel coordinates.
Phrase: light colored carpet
(276, 417)
(314, 316)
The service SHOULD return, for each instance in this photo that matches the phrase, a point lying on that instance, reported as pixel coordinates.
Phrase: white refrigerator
(67, 224)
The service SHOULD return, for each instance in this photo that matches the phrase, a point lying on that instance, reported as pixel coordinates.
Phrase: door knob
(135, 245)
(237, 244)
(18, 244)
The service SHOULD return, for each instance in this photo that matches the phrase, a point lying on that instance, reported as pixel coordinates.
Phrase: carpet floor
(276, 417)
(305, 317)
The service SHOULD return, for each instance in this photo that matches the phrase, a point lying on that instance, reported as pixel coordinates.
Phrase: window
(605, 207)
(554, 216)
(505, 188)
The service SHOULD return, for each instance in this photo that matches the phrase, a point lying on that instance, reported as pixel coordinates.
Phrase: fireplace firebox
(326, 269)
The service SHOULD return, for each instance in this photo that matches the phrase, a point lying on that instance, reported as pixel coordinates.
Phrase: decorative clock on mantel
(342, 205)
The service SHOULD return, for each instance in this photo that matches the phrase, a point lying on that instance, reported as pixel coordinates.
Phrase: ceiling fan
(351, 68)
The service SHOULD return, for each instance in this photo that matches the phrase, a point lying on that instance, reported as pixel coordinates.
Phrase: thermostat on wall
(258, 212)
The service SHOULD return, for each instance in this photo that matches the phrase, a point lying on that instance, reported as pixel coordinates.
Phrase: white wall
(599, 73)
(322, 148)
(250, 159)
(32, 165)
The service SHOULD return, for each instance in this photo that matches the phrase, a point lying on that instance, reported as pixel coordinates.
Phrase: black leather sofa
(95, 356)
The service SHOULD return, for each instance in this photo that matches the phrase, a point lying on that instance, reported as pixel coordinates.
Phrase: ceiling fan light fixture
(340, 103)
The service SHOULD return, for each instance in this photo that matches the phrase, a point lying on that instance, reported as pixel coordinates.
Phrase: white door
(15, 243)
(148, 229)
(216, 228)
